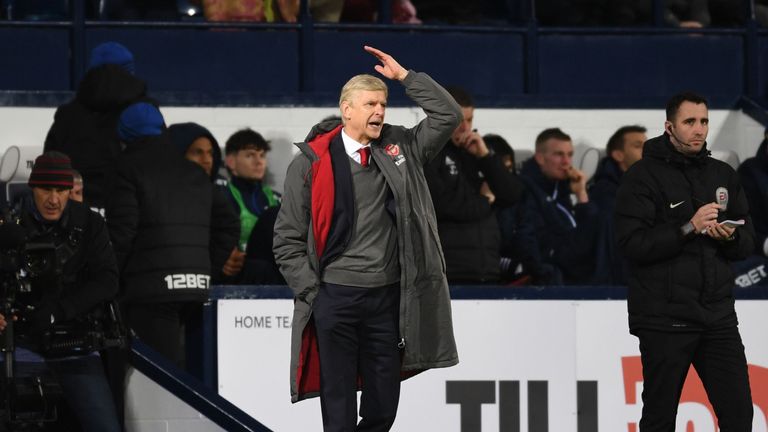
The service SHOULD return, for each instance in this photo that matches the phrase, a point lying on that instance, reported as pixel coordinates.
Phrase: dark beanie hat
(140, 120)
(51, 170)
(112, 53)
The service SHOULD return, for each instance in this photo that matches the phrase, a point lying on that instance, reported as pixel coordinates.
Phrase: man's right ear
(229, 161)
(617, 155)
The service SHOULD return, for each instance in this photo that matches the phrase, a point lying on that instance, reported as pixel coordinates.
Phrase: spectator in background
(160, 224)
(326, 10)
(255, 202)
(86, 127)
(501, 148)
(258, 11)
(624, 148)
(680, 299)
(564, 232)
(131, 10)
(403, 12)
(466, 180)
(462, 12)
(198, 145)
(687, 13)
(754, 179)
(518, 264)
(77, 186)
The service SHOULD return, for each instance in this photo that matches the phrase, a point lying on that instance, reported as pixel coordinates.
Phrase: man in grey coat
(356, 239)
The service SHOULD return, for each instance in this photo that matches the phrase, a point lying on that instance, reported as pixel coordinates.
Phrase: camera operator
(83, 279)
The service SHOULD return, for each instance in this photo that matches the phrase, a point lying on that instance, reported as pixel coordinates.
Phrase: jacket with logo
(469, 232)
(160, 220)
(676, 281)
(313, 224)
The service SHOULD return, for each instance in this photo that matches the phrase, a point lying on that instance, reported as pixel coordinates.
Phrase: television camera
(28, 402)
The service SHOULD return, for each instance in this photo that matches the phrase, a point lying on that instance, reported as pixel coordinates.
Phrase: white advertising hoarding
(521, 363)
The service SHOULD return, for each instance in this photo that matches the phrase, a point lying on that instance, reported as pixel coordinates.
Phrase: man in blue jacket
(624, 148)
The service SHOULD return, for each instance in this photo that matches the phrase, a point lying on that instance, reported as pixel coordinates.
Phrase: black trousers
(162, 327)
(718, 357)
(357, 334)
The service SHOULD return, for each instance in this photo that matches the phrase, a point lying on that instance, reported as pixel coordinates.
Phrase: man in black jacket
(86, 127)
(466, 182)
(198, 145)
(159, 219)
(754, 177)
(670, 210)
(624, 148)
(81, 279)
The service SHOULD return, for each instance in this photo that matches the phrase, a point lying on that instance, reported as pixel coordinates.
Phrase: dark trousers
(357, 335)
(717, 355)
(87, 403)
(162, 327)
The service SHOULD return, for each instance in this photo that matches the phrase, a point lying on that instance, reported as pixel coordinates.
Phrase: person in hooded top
(85, 128)
(197, 144)
(159, 219)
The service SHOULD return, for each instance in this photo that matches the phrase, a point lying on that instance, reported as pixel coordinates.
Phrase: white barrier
(512, 353)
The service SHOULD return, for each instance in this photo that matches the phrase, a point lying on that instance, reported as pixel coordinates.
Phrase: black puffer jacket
(466, 221)
(225, 222)
(754, 178)
(85, 129)
(677, 282)
(609, 263)
(159, 219)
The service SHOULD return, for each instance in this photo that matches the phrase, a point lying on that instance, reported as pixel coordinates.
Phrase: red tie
(365, 155)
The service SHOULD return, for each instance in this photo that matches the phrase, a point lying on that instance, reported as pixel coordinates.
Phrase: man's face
(688, 131)
(201, 153)
(364, 115)
(50, 202)
(77, 191)
(248, 164)
(555, 159)
(632, 151)
(465, 127)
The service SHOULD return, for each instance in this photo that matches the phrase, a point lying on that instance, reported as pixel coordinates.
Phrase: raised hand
(389, 67)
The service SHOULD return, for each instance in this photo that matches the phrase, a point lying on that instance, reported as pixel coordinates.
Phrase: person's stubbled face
(364, 115)
(688, 130)
(459, 135)
(632, 150)
(50, 202)
(248, 164)
(555, 159)
(77, 191)
(201, 153)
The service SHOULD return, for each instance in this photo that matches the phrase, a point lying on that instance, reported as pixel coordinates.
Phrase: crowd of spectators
(547, 224)
(576, 13)
(174, 204)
